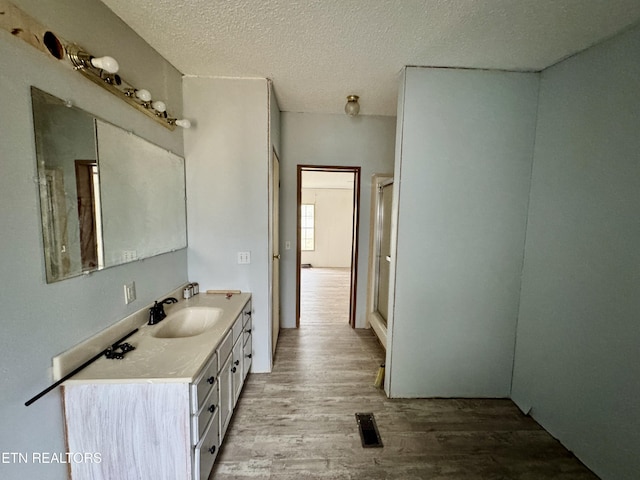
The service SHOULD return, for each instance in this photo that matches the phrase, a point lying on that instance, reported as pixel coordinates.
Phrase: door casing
(354, 236)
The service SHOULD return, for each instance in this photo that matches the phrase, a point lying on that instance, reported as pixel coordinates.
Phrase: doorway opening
(327, 243)
(89, 214)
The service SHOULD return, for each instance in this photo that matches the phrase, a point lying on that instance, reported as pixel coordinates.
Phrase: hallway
(298, 423)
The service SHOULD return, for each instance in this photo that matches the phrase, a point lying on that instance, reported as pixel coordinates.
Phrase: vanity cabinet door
(206, 451)
(237, 370)
(246, 339)
(247, 355)
(225, 379)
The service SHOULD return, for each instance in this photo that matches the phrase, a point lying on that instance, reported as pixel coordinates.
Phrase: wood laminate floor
(324, 295)
(298, 422)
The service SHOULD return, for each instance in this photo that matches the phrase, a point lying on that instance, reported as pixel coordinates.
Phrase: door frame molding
(354, 237)
(274, 248)
(374, 320)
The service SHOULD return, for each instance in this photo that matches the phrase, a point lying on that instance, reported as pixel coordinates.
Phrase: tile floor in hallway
(299, 423)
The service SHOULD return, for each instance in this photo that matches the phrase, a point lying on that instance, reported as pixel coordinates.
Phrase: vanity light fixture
(143, 95)
(352, 108)
(100, 70)
(183, 122)
(159, 107)
(113, 79)
(81, 59)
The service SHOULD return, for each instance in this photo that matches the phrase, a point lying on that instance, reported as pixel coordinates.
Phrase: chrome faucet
(157, 313)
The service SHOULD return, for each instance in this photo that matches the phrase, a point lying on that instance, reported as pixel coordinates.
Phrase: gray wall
(339, 140)
(462, 183)
(40, 321)
(274, 119)
(227, 160)
(578, 346)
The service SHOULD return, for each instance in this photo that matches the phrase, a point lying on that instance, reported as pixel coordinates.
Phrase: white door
(275, 241)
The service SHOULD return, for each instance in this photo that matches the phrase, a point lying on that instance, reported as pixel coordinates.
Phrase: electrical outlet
(129, 255)
(244, 257)
(129, 293)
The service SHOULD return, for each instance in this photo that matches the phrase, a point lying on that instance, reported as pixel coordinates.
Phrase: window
(307, 223)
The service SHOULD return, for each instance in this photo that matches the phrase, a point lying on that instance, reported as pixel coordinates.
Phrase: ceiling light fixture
(352, 108)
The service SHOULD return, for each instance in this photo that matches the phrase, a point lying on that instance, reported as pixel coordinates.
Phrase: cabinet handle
(248, 331)
(233, 370)
(211, 380)
(248, 356)
(247, 313)
(236, 363)
(212, 408)
(212, 450)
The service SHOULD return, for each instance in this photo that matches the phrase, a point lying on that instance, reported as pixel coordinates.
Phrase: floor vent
(368, 430)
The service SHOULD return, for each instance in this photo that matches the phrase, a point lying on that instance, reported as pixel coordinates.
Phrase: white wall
(462, 183)
(578, 346)
(40, 321)
(227, 159)
(338, 140)
(333, 227)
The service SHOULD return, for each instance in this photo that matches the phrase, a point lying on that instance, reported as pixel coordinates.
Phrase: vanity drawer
(201, 420)
(246, 357)
(201, 387)
(247, 330)
(205, 452)
(237, 328)
(224, 349)
(236, 371)
(246, 313)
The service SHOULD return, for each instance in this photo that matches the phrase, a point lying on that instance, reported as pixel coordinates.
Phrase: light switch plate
(129, 292)
(287, 245)
(244, 257)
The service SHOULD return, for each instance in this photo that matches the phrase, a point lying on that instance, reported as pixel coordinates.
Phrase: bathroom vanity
(163, 411)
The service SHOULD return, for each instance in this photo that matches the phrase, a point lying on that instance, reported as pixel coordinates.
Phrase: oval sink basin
(188, 322)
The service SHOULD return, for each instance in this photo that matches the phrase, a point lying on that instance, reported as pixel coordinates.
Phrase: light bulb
(144, 95)
(108, 64)
(159, 106)
(184, 123)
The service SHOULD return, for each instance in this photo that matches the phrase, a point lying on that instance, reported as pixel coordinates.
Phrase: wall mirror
(107, 196)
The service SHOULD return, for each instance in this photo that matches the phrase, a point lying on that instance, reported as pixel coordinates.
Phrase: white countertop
(163, 360)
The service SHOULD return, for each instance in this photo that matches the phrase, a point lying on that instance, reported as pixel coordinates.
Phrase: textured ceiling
(319, 51)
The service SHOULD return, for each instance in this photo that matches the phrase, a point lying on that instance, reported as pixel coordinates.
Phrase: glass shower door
(383, 246)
